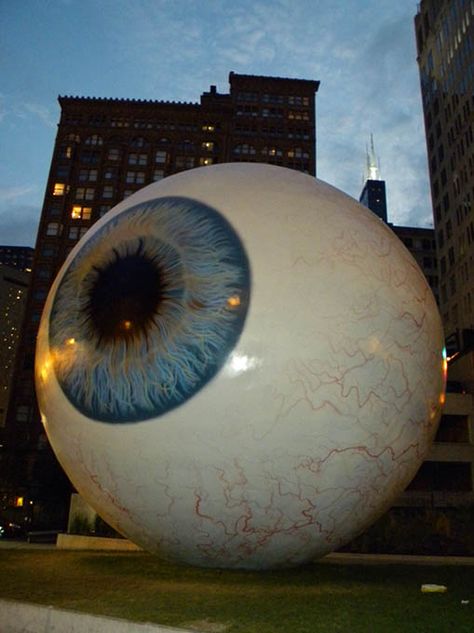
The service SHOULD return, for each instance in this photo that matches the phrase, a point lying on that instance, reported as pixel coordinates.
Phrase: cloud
(18, 225)
(11, 107)
(42, 112)
(12, 193)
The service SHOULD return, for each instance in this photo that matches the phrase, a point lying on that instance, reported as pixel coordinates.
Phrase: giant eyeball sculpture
(240, 366)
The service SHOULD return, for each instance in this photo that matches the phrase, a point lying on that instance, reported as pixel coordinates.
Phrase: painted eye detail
(148, 310)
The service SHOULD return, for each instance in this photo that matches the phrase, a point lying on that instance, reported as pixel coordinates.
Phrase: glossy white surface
(321, 415)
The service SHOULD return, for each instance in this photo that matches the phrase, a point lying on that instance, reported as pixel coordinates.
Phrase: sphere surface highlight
(240, 366)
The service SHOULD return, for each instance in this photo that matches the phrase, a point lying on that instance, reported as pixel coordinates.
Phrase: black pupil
(125, 297)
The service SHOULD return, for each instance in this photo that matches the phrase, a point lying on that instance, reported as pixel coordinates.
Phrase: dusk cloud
(362, 51)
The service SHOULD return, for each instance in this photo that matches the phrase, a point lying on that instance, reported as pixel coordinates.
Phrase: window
(113, 153)
(95, 139)
(161, 156)
(110, 173)
(453, 428)
(443, 476)
(451, 257)
(203, 161)
(127, 192)
(207, 146)
(40, 295)
(298, 115)
(244, 148)
(158, 174)
(208, 127)
(81, 213)
(22, 413)
(272, 152)
(184, 162)
(53, 228)
(139, 141)
(137, 177)
(108, 191)
(90, 157)
(137, 159)
(55, 209)
(76, 232)
(62, 172)
(49, 251)
(298, 101)
(85, 193)
(103, 209)
(297, 152)
(65, 151)
(88, 175)
(59, 189)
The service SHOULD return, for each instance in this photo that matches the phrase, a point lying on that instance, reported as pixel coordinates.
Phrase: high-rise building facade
(419, 241)
(445, 44)
(106, 149)
(20, 257)
(13, 292)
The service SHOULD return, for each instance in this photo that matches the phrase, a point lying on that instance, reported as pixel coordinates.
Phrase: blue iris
(148, 310)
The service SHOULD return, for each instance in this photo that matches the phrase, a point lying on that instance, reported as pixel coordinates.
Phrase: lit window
(205, 161)
(209, 127)
(81, 213)
(65, 151)
(108, 191)
(113, 153)
(59, 189)
(297, 152)
(161, 156)
(208, 146)
(137, 159)
(158, 174)
(95, 139)
(85, 193)
(273, 152)
(53, 228)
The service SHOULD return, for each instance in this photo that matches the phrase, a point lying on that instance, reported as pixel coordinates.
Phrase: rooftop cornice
(71, 98)
(306, 81)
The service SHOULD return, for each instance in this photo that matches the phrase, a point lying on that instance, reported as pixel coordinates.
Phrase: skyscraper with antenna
(373, 194)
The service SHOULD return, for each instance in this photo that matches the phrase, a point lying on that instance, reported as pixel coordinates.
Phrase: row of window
(138, 142)
(292, 100)
(273, 113)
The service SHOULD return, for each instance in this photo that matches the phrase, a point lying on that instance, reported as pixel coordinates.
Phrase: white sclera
(320, 416)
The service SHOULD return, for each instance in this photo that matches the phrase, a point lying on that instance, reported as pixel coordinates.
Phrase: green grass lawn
(319, 597)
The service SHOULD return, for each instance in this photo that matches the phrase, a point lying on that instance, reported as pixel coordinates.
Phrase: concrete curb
(76, 541)
(343, 558)
(21, 617)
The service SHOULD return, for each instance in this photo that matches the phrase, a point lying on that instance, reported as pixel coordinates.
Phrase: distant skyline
(362, 51)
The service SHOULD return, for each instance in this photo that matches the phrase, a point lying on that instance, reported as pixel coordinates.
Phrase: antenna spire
(373, 166)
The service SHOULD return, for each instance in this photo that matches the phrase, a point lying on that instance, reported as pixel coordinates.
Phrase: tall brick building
(105, 150)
